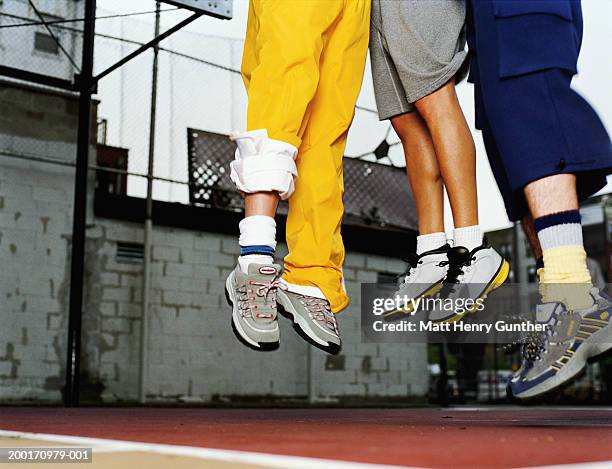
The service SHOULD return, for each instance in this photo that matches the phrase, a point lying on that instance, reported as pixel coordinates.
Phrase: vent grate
(130, 253)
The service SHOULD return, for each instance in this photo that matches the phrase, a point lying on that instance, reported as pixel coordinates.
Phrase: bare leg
(261, 203)
(552, 194)
(455, 151)
(565, 276)
(423, 171)
(532, 236)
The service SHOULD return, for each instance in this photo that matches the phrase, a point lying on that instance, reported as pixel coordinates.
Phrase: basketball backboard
(218, 8)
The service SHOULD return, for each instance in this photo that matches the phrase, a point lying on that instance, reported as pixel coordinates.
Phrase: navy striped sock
(559, 229)
(257, 250)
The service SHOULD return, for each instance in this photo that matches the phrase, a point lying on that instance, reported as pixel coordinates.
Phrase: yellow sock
(565, 277)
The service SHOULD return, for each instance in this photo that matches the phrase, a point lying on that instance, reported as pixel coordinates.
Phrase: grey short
(416, 46)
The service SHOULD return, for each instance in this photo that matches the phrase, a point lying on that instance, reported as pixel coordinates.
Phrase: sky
(593, 82)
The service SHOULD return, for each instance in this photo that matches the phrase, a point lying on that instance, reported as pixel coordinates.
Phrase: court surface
(498, 437)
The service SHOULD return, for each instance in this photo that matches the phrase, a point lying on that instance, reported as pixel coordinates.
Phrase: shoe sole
(398, 314)
(602, 348)
(544, 397)
(239, 332)
(498, 280)
(304, 331)
(593, 352)
(563, 379)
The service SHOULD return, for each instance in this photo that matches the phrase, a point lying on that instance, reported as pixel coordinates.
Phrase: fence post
(148, 227)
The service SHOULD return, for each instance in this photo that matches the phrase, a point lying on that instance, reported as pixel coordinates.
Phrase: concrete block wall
(192, 355)
(35, 235)
(34, 240)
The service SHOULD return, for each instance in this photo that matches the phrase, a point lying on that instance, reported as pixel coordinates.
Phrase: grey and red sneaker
(252, 297)
(312, 319)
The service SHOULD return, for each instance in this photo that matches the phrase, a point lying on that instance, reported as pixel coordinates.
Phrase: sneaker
(423, 279)
(252, 297)
(471, 275)
(312, 319)
(560, 354)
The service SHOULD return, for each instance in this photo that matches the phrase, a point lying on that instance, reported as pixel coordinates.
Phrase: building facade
(35, 48)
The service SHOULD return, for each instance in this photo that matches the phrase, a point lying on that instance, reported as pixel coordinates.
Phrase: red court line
(508, 437)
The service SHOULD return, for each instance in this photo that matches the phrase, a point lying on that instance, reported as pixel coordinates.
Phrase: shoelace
(455, 270)
(263, 290)
(535, 343)
(319, 310)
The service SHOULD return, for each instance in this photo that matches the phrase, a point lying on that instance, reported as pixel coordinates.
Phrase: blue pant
(523, 57)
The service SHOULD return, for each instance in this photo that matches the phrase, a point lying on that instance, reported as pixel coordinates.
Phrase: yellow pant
(303, 66)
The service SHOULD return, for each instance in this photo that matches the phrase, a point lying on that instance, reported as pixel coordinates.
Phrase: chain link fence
(364, 201)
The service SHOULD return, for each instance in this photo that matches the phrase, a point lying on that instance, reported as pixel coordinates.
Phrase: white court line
(582, 465)
(245, 457)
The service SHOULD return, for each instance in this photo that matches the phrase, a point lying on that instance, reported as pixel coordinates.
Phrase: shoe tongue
(458, 255)
(264, 269)
(545, 312)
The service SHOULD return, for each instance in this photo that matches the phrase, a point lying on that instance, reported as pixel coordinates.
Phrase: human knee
(436, 105)
(408, 127)
(262, 164)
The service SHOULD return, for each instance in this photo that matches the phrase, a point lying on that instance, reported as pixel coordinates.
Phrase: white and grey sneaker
(422, 279)
(312, 319)
(252, 297)
(470, 276)
(556, 357)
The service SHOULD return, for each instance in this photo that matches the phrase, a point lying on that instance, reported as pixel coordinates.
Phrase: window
(45, 43)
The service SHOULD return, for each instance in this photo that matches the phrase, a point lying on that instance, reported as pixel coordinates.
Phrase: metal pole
(152, 43)
(148, 226)
(85, 83)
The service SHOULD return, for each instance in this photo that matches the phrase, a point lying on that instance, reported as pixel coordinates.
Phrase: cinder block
(173, 297)
(174, 269)
(109, 279)
(129, 310)
(47, 193)
(376, 263)
(355, 260)
(116, 294)
(396, 266)
(379, 364)
(366, 276)
(206, 242)
(230, 246)
(5, 368)
(107, 308)
(194, 256)
(221, 260)
(121, 325)
(207, 272)
(166, 253)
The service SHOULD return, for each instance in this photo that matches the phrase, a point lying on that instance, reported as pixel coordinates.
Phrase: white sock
(256, 230)
(469, 237)
(245, 261)
(429, 242)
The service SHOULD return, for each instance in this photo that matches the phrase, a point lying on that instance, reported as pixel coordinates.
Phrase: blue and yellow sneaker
(572, 339)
